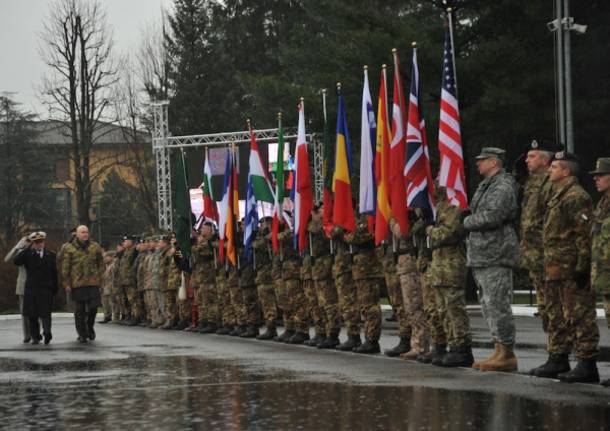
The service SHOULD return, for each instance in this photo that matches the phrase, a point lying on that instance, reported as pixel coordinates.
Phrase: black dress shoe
(26, 340)
(82, 340)
(91, 335)
(47, 338)
(35, 340)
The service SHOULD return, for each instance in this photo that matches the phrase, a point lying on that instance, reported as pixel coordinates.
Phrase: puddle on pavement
(168, 392)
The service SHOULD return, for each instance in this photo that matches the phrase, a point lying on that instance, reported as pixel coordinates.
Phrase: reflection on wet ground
(141, 391)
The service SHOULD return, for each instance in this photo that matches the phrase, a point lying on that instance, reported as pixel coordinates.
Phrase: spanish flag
(343, 210)
(382, 151)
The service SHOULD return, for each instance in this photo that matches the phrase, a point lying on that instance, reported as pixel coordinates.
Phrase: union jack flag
(451, 173)
(420, 188)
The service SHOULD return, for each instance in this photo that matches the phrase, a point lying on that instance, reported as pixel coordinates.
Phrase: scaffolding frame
(163, 143)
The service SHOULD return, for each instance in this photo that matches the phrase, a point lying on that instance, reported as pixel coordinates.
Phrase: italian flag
(210, 211)
(260, 182)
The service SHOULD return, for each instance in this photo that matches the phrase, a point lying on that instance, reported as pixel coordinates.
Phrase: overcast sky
(21, 22)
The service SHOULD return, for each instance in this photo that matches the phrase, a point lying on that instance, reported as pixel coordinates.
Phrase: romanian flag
(382, 150)
(343, 210)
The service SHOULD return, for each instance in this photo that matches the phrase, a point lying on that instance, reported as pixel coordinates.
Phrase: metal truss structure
(163, 143)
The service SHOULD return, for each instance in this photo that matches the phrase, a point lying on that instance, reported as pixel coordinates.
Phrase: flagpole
(324, 104)
(450, 18)
(384, 71)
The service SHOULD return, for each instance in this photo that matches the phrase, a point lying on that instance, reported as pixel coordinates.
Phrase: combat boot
(239, 329)
(181, 325)
(436, 357)
(330, 342)
(168, 325)
(556, 363)
(457, 357)
(403, 346)
(477, 364)
(368, 347)
(411, 355)
(504, 361)
(225, 330)
(605, 383)
(284, 337)
(202, 324)
(298, 338)
(269, 334)
(211, 328)
(317, 339)
(350, 344)
(250, 332)
(585, 371)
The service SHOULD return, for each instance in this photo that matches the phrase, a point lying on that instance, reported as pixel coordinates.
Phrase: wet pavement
(138, 378)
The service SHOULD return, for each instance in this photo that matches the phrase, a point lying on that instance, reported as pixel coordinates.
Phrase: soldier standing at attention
(492, 252)
(535, 196)
(315, 312)
(245, 298)
(368, 278)
(600, 236)
(570, 299)
(127, 279)
(284, 301)
(171, 273)
(264, 281)
(82, 271)
(107, 282)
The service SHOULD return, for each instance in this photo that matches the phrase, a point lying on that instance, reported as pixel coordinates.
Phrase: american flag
(451, 175)
(420, 189)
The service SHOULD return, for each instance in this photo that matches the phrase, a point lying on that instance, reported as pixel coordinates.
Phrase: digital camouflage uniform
(205, 280)
(291, 275)
(344, 283)
(447, 272)
(321, 273)
(368, 278)
(315, 312)
(264, 280)
(566, 237)
(536, 194)
(492, 250)
(392, 282)
(127, 277)
(600, 252)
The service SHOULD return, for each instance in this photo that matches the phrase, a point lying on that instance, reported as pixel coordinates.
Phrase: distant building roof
(106, 134)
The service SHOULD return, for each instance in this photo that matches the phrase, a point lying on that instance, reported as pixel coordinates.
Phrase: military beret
(164, 238)
(130, 237)
(541, 145)
(565, 156)
(602, 167)
(489, 152)
(37, 236)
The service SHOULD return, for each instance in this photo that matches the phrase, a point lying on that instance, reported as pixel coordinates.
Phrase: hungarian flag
(182, 206)
(279, 190)
(383, 212)
(303, 199)
(261, 186)
(343, 210)
(328, 167)
(368, 131)
(396, 179)
(210, 211)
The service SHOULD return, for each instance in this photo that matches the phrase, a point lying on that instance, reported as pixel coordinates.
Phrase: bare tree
(76, 45)
(154, 62)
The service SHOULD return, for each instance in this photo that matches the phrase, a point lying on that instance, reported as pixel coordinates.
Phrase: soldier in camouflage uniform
(265, 281)
(207, 275)
(368, 277)
(117, 302)
(492, 252)
(535, 197)
(171, 272)
(315, 312)
(141, 274)
(600, 237)
(82, 270)
(388, 257)
(447, 276)
(346, 289)
(570, 301)
(154, 293)
(127, 279)
(246, 299)
(150, 303)
(291, 276)
(321, 273)
(107, 285)
(284, 301)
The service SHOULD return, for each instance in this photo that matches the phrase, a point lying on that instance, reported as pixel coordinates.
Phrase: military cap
(602, 167)
(37, 236)
(164, 238)
(130, 237)
(489, 152)
(541, 145)
(565, 156)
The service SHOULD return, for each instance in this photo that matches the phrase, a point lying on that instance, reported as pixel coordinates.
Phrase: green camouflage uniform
(344, 283)
(82, 265)
(248, 309)
(168, 309)
(230, 299)
(536, 194)
(127, 277)
(283, 299)
(447, 272)
(315, 312)
(174, 280)
(291, 275)
(392, 282)
(155, 292)
(567, 252)
(139, 309)
(322, 276)
(600, 252)
(107, 282)
(368, 278)
(205, 279)
(264, 279)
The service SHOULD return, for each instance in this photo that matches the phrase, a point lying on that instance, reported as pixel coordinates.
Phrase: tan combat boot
(416, 350)
(496, 352)
(505, 361)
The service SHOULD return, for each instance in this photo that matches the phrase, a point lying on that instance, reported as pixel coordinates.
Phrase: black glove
(582, 279)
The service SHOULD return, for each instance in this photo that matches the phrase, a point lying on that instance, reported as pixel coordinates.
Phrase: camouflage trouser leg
(298, 310)
(559, 335)
(367, 291)
(224, 304)
(210, 300)
(495, 295)
(327, 298)
(413, 301)
(314, 310)
(154, 306)
(538, 282)
(453, 301)
(146, 303)
(249, 296)
(124, 300)
(348, 302)
(607, 308)
(580, 314)
(171, 308)
(116, 306)
(161, 303)
(435, 315)
(198, 302)
(237, 305)
(284, 303)
(107, 306)
(133, 296)
(392, 282)
(266, 296)
(184, 308)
